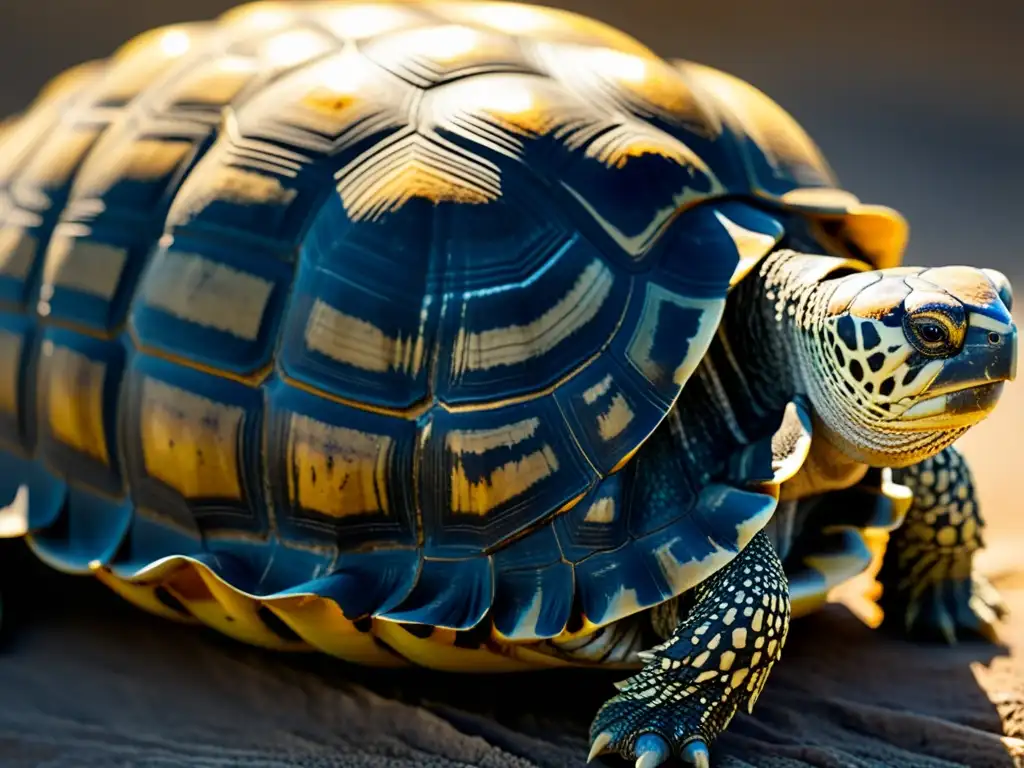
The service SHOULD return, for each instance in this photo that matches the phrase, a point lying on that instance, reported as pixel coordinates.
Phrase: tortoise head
(906, 360)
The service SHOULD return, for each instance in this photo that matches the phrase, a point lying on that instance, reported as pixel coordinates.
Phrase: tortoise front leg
(930, 589)
(716, 661)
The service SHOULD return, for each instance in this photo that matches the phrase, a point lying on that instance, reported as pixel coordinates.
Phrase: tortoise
(478, 336)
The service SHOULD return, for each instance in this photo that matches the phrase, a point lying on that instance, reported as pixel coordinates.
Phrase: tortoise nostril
(994, 338)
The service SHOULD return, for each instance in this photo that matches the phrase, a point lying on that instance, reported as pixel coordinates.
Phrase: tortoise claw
(600, 745)
(986, 596)
(715, 663)
(696, 754)
(651, 751)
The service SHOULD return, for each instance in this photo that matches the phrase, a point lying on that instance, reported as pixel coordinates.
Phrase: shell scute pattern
(339, 475)
(598, 523)
(452, 594)
(533, 587)
(371, 303)
(212, 303)
(77, 400)
(29, 204)
(104, 172)
(192, 442)
(671, 559)
(430, 56)
(484, 479)
(780, 156)
(364, 317)
(523, 334)
(150, 135)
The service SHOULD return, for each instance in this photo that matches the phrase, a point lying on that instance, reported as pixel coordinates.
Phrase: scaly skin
(930, 589)
(715, 663)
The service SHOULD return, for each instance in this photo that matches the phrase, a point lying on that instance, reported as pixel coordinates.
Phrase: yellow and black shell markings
(326, 318)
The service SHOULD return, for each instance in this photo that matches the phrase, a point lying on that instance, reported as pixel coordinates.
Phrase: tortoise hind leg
(929, 588)
(715, 662)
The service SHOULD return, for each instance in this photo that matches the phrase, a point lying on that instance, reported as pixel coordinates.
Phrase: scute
(485, 476)
(430, 56)
(783, 165)
(533, 591)
(532, 22)
(362, 321)
(339, 475)
(24, 230)
(525, 302)
(670, 560)
(658, 528)
(210, 302)
(77, 396)
(89, 530)
(452, 594)
(362, 315)
(192, 443)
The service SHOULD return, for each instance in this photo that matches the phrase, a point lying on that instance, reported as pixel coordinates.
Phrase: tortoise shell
(321, 317)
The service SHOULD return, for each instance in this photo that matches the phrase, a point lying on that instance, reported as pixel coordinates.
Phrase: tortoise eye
(933, 333)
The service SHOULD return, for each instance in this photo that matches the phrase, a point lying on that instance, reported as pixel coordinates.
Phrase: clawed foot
(652, 750)
(948, 611)
(930, 590)
(677, 705)
(715, 663)
(657, 715)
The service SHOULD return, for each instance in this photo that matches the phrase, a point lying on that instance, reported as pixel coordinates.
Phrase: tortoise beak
(987, 357)
(969, 386)
(1003, 363)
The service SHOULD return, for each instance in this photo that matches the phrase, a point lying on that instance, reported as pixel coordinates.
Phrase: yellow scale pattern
(190, 442)
(74, 399)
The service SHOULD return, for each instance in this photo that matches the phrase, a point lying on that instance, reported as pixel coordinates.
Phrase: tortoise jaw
(952, 409)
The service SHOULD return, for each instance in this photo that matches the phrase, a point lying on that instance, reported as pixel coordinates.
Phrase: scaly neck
(758, 326)
(762, 357)
(774, 318)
